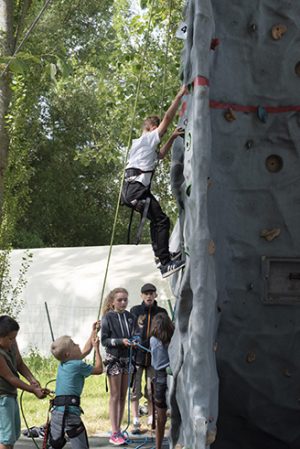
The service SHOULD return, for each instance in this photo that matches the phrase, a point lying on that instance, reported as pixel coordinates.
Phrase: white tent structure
(70, 281)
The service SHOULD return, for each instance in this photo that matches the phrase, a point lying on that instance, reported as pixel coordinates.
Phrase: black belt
(66, 400)
(132, 172)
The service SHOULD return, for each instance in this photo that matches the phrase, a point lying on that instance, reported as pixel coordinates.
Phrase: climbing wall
(239, 203)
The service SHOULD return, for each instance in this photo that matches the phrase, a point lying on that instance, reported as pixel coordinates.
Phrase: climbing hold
(214, 43)
(211, 248)
(274, 163)
(209, 182)
(215, 346)
(251, 357)
(249, 144)
(188, 190)
(287, 373)
(297, 68)
(188, 142)
(181, 32)
(278, 31)
(229, 115)
(262, 114)
(250, 286)
(253, 27)
(270, 234)
(210, 437)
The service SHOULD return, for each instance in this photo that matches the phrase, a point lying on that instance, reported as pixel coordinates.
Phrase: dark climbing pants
(159, 222)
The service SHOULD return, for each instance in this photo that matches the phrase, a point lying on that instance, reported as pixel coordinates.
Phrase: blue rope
(142, 440)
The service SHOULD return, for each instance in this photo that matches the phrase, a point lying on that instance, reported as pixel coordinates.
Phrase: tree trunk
(6, 45)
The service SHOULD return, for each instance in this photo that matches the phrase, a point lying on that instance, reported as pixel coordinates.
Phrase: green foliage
(11, 301)
(74, 86)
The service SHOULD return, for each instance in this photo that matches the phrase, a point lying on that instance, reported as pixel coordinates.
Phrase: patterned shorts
(116, 366)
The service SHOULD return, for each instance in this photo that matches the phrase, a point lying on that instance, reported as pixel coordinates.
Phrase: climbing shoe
(173, 256)
(176, 255)
(171, 267)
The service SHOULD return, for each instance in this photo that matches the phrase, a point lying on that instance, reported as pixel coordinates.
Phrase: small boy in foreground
(11, 364)
(71, 374)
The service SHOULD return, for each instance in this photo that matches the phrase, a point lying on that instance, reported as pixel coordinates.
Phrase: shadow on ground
(99, 442)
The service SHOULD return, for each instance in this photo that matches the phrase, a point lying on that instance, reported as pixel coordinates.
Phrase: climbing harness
(140, 203)
(64, 401)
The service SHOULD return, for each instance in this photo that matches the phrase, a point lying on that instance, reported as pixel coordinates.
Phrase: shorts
(10, 424)
(115, 366)
(137, 384)
(160, 389)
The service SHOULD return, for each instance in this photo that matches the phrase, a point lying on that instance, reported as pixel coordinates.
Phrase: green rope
(137, 94)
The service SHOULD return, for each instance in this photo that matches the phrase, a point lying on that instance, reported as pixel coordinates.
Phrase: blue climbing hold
(262, 114)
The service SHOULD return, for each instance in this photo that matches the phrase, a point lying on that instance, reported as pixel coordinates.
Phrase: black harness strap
(129, 227)
(140, 203)
(143, 220)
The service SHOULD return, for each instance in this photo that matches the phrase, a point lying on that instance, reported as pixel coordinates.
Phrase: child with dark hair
(136, 192)
(161, 334)
(11, 364)
(117, 329)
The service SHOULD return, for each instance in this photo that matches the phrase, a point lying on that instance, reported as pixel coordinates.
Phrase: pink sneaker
(117, 439)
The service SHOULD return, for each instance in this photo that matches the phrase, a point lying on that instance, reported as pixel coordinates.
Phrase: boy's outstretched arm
(6, 373)
(98, 367)
(166, 147)
(89, 344)
(170, 114)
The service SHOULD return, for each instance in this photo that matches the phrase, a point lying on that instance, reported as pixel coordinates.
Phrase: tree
(6, 46)
(74, 87)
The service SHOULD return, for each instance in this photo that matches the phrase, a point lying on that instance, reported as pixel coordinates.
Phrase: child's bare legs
(118, 389)
(123, 394)
(135, 409)
(160, 426)
(5, 446)
(114, 401)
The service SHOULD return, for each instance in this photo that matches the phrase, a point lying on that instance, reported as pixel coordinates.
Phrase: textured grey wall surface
(242, 132)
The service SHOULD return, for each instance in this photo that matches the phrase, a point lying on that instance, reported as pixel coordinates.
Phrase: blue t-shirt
(70, 380)
(159, 354)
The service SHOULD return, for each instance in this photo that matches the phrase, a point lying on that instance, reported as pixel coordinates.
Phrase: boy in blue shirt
(71, 374)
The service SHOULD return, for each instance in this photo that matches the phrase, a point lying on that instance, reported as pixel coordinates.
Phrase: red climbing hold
(214, 43)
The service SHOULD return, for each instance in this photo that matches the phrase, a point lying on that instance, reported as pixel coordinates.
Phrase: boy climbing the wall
(71, 374)
(11, 364)
(136, 191)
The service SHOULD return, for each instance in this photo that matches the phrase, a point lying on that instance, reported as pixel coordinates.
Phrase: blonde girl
(117, 329)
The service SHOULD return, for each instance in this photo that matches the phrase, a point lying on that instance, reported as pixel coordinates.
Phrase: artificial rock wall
(236, 177)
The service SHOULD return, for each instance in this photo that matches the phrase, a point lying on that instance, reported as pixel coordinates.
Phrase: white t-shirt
(143, 155)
